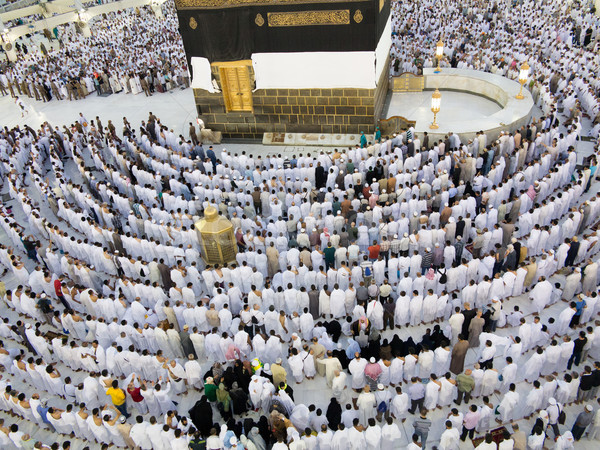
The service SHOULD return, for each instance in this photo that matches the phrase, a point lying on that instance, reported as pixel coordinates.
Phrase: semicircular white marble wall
(513, 115)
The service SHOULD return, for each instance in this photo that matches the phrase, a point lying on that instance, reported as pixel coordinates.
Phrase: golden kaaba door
(237, 87)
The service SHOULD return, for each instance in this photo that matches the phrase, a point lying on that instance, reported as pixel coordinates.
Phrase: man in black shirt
(585, 385)
(573, 250)
(595, 379)
(577, 350)
(469, 315)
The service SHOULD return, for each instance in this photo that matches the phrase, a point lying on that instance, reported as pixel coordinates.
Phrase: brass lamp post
(439, 54)
(523, 75)
(436, 101)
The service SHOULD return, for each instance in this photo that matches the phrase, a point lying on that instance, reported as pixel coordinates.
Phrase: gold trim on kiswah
(307, 18)
(217, 4)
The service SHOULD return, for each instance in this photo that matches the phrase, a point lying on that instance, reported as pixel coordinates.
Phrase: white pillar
(45, 11)
(12, 53)
(157, 10)
(85, 29)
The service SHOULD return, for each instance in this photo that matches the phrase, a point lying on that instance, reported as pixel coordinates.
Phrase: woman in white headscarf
(565, 441)
(255, 389)
(299, 416)
(248, 444)
(265, 396)
(327, 342)
(287, 401)
(257, 439)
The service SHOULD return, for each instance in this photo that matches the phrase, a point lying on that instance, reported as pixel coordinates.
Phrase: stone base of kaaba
(329, 111)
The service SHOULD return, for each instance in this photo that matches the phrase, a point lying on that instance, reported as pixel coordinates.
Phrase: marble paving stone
(455, 106)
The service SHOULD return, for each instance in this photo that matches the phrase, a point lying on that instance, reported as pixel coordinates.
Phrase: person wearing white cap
(554, 411)
(594, 430)
(584, 419)
(302, 239)
(565, 441)
(405, 241)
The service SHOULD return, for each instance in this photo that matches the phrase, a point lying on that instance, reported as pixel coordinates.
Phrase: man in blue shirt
(42, 410)
(363, 140)
(210, 154)
(579, 305)
(416, 393)
(199, 152)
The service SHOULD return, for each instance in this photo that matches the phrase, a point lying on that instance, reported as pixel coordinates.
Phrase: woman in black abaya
(202, 416)
(334, 414)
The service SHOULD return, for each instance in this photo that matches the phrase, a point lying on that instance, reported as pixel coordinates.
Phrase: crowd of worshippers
(130, 51)
(328, 284)
(337, 249)
(560, 42)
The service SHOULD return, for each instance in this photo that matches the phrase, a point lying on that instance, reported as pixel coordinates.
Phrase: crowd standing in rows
(130, 51)
(559, 41)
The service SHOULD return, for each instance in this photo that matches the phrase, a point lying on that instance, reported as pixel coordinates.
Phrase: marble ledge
(514, 113)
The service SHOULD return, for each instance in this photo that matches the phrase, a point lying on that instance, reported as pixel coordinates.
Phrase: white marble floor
(417, 106)
(175, 108)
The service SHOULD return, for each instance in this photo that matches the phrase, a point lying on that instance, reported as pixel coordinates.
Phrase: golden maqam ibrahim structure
(217, 238)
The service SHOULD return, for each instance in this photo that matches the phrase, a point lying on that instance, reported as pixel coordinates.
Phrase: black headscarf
(398, 348)
(469, 192)
(334, 414)
(201, 416)
(239, 399)
(242, 376)
(264, 430)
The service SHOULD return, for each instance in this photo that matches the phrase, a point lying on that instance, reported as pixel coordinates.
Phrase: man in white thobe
(564, 319)
(507, 405)
(541, 294)
(193, 372)
(450, 438)
(375, 313)
(339, 388)
(332, 365)
(390, 435)
(337, 303)
(163, 397)
(357, 370)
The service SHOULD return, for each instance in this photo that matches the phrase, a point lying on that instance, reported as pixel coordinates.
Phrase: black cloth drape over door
(223, 35)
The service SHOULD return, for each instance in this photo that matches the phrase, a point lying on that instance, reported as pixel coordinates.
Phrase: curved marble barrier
(513, 115)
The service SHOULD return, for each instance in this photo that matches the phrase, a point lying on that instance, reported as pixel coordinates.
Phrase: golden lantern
(436, 103)
(217, 239)
(439, 54)
(523, 75)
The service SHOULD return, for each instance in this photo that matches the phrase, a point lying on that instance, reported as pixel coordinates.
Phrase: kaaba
(277, 66)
